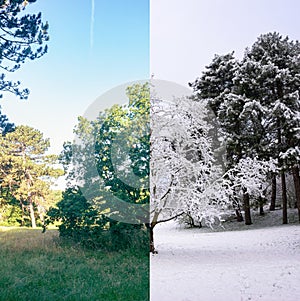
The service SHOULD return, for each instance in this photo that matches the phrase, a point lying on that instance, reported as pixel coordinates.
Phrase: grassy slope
(35, 266)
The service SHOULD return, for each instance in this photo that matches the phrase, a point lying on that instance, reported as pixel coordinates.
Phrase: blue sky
(76, 70)
(182, 38)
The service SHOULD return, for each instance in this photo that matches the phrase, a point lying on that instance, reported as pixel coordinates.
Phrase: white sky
(185, 34)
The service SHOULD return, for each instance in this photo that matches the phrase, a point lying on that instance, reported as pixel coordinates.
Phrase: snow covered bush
(250, 175)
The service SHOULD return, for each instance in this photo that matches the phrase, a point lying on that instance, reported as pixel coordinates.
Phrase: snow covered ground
(255, 263)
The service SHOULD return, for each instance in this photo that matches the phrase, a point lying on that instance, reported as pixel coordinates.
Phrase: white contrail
(92, 24)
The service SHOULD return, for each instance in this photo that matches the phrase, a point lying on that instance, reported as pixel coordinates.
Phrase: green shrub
(81, 223)
(10, 213)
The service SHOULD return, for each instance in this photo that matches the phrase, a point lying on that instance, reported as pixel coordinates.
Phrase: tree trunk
(273, 195)
(238, 213)
(247, 209)
(284, 198)
(283, 182)
(261, 206)
(152, 248)
(32, 217)
(296, 178)
(239, 216)
(41, 214)
(151, 226)
(23, 215)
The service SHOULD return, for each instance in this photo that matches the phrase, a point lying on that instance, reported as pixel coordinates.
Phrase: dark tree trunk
(152, 248)
(151, 240)
(151, 226)
(273, 195)
(261, 206)
(283, 182)
(284, 199)
(247, 209)
(296, 178)
(239, 215)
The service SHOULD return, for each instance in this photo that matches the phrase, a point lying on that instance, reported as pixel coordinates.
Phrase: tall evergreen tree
(256, 102)
(218, 86)
(275, 83)
(25, 169)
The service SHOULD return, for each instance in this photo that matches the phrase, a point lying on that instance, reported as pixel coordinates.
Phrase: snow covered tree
(181, 163)
(257, 105)
(185, 177)
(270, 75)
(217, 80)
(234, 113)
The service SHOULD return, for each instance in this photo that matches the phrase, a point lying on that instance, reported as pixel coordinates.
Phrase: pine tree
(257, 104)
(218, 85)
(5, 125)
(275, 83)
(26, 169)
(21, 39)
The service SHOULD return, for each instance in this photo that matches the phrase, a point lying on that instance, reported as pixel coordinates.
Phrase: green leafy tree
(21, 39)
(122, 147)
(109, 161)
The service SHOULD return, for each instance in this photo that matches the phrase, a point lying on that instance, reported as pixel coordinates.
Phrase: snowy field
(255, 263)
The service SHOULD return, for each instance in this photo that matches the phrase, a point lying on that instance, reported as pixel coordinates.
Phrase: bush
(10, 213)
(81, 223)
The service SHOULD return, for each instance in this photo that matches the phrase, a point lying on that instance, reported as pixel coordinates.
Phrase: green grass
(36, 266)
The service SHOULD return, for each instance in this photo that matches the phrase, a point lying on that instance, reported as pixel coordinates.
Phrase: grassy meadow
(37, 266)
